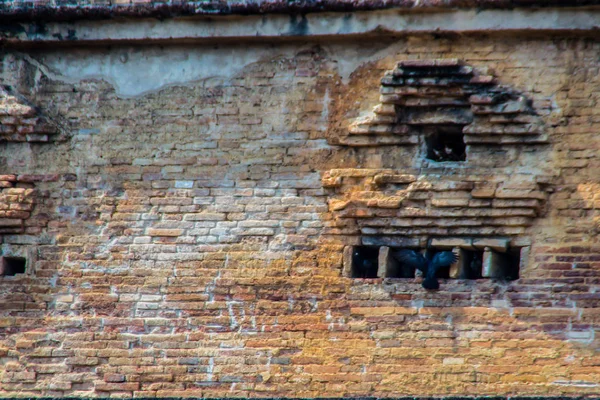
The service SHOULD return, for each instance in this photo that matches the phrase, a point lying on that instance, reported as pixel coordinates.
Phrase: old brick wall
(187, 241)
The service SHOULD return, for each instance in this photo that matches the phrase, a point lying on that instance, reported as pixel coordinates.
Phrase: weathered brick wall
(16, 204)
(191, 248)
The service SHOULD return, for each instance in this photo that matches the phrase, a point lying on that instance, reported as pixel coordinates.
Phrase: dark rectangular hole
(512, 263)
(400, 269)
(505, 265)
(365, 262)
(11, 266)
(446, 145)
(472, 265)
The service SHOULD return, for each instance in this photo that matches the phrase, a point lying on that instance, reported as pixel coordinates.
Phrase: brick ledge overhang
(390, 22)
(51, 10)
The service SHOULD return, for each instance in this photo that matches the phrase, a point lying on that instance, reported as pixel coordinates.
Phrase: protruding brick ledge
(431, 204)
(22, 122)
(38, 23)
(431, 93)
(26, 10)
(457, 193)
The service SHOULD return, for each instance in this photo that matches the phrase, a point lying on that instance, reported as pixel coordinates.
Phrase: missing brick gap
(445, 144)
(365, 262)
(11, 266)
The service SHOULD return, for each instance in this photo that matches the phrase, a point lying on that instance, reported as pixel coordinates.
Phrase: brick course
(191, 241)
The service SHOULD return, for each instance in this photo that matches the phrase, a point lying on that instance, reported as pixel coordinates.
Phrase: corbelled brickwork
(20, 122)
(195, 234)
(482, 196)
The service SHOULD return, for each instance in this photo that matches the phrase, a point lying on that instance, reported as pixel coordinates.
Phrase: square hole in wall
(395, 267)
(502, 265)
(446, 144)
(365, 262)
(10, 266)
(470, 264)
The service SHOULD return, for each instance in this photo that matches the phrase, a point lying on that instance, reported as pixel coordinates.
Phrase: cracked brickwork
(190, 240)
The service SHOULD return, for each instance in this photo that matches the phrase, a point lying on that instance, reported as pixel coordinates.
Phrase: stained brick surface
(187, 242)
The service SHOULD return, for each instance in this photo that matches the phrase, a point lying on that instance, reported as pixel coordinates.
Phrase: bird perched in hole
(429, 267)
(447, 154)
(475, 266)
(364, 266)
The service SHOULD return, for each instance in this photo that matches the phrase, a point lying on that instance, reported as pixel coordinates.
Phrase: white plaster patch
(136, 71)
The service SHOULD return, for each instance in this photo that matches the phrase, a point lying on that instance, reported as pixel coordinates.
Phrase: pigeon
(447, 154)
(475, 266)
(428, 267)
(364, 267)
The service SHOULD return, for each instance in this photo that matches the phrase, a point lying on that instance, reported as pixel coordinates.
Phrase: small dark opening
(505, 265)
(512, 261)
(12, 265)
(446, 146)
(472, 265)
(400, 269)
(365, 262)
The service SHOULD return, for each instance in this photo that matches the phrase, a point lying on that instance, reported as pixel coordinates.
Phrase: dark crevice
(10, 266)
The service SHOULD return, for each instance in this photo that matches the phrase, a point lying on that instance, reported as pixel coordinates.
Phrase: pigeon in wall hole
(475, 266)
(429, 267)
(364, 267)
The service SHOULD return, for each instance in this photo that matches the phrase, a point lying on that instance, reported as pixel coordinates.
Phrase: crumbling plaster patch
(137, 71)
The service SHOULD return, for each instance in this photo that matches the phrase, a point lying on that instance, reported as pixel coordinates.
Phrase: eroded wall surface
(185, 230)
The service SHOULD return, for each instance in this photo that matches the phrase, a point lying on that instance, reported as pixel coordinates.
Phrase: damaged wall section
(454, 119)
(190, 249)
